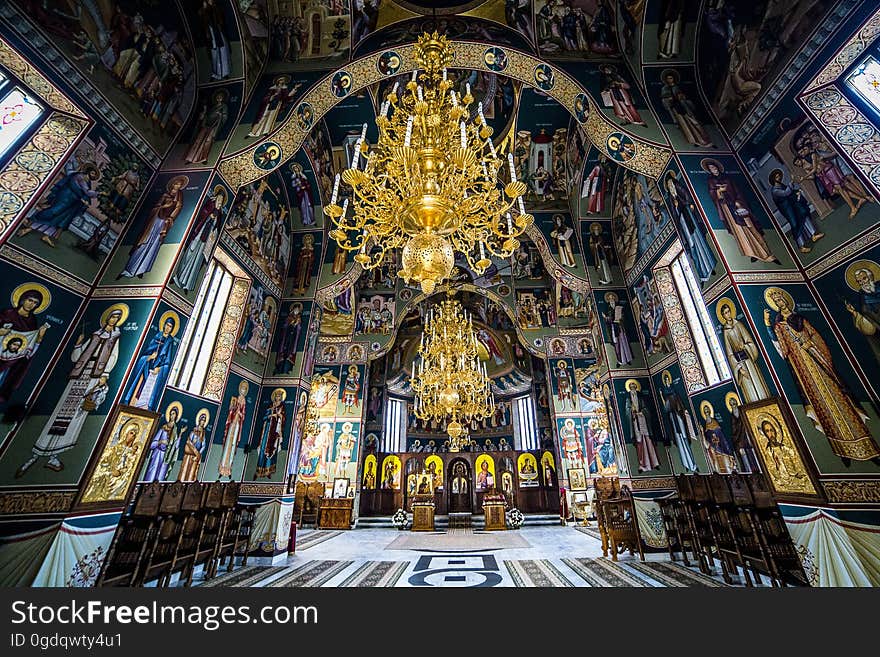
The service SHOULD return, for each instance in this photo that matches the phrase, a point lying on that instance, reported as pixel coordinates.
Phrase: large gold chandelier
(434, 183)
(450, 381)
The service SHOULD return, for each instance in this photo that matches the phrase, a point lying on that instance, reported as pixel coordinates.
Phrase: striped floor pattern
(673, 574)
(602, 572)
(310, 574)
(536, 573)
(375, 574)
(315, 537)
(247, 576)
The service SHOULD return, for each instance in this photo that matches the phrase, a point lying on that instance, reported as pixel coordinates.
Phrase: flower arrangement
(399, 519)
(515, 518)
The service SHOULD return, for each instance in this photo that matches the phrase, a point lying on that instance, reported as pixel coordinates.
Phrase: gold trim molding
(649, 159)
(841, 491)
(36, 501)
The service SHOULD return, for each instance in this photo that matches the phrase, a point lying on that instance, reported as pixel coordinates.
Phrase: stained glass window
(865, 79)
(18, 112)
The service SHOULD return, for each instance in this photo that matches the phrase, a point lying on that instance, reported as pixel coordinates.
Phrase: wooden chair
(133, 536)
(606, 488)
(187, 532)
(230, 527)
(165, 539)
(670, 509)
(211, 519)
(244, 521)
(621, 526)
(702, 510)
(732, 536)
(783, 563)
(753, 555)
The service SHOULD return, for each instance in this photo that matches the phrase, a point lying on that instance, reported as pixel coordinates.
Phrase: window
(197, 346)
(19, 111)
(705, 341)
(525, 424)
(394, 436)
(865, 79)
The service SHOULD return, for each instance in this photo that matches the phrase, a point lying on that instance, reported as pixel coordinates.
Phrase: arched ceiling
(640, 154)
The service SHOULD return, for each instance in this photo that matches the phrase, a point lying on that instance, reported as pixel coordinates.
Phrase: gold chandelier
(450, 380)
(434, 183)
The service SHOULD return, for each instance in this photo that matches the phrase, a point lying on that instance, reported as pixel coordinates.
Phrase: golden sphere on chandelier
(427, 258)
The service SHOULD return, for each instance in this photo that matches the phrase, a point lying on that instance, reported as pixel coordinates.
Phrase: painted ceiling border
(644, 157)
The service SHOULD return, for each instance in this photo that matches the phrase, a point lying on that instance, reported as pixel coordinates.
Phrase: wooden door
(460, 487)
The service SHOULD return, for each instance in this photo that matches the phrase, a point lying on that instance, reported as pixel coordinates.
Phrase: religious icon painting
(121, 449)
(355, 352)
(495, 59)
(340, 487)
(154, 363)
(341, 84)
(23, 332)
(368, 481)
(267, 155)
(225, 459)
(527, 470)
(548, 469)
(544, 77)
(391, 472)
(577, 479)
(305, 116)
(345, 450)
(783, 462)
(351, 392)
(485, 468)
(388, 63)
(620, 147)
(581, 108)
(434, 467)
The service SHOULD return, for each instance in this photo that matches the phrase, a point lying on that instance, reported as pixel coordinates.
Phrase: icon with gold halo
(495, 59)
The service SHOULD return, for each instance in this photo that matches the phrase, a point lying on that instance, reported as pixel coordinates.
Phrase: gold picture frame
(577, 479)
(120, 454)
(782, 458)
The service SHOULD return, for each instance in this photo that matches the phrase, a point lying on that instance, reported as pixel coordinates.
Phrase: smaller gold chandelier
(433, 184)
(450, 382)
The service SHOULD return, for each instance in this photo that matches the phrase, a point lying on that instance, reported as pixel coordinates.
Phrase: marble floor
(552, 556)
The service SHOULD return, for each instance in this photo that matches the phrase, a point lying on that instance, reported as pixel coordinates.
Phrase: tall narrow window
(191, 365)
(19, 111)
(525, 423)
(394, 436)
(707, 346)
(865, 79)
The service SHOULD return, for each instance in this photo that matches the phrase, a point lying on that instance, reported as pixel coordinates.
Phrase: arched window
(20, 112)
(865, 80)
(191, 365)
(394, 436)
(706, 343)
(525, 423)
